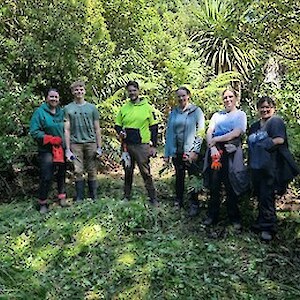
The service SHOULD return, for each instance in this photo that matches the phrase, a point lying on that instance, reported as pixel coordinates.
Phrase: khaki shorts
(85, 160)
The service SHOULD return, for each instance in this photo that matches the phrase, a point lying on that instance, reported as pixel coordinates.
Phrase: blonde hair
(77, 83)
(231, 89)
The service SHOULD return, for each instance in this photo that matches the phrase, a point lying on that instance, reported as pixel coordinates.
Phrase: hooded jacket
(193, 130)
(44, 122)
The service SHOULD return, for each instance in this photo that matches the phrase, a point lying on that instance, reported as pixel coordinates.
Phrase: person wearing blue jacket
(47, 129)
(184, 136)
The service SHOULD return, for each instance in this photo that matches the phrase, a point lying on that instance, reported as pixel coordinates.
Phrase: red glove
(216, 164)
(52, 140)
(58, 154)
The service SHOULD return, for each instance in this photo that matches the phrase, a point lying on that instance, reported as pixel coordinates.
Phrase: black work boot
(79, 186)
(178, 203)
(194, 210)
(154, 202)
(92, 189)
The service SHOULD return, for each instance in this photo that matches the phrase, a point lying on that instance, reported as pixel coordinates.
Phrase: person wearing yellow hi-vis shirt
(137, 127)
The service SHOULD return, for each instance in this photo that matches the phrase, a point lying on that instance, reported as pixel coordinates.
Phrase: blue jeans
(48, 170)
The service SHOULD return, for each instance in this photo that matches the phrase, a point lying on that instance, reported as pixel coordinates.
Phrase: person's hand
(216, 160)
(52, 140)
(99, 152)
(211, 143)
(166, 159)
(69, 155)
(214, 152)
(122, 135)
(152, 152)
(193, 156)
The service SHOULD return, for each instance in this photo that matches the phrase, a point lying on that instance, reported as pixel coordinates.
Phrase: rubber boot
(92, 189)
(43, 206)
(62, 200)
(79, 186)
(194, 208)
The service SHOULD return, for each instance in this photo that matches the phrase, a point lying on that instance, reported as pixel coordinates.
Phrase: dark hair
(50, 90)
(132, 83)
(184, 89)
(263, 99)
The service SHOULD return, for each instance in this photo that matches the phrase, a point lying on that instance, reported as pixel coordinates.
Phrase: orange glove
(52, 140)
(58, 154)
(216, 164)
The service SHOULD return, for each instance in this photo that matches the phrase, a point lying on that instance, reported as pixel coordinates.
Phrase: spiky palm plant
(219, 40)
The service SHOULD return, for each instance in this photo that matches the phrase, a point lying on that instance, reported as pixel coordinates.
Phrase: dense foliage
(112, 250)
(161, 44)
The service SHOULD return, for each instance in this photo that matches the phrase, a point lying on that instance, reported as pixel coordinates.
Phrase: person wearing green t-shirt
(137, 127)
(83, 140)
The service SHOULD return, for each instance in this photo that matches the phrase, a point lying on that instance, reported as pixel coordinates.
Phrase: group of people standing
(71, 134)
(74, 133)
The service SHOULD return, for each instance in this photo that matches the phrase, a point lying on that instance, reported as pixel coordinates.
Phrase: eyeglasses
(228, 97)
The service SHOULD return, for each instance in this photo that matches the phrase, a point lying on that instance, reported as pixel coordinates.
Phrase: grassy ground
(109, 249)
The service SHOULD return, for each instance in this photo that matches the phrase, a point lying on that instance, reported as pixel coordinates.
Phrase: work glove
(99, 152)
(216, 160)
(58, 154)
(52, 140)
(125, 157)
(69, 155)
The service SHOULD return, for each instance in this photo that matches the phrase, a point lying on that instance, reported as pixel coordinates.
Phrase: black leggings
(181, 167)
(264, 189)
(216, 178)
(47, 170)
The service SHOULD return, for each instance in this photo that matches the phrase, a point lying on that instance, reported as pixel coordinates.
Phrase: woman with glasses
(184, 136)
(272, 165)
(224, 159)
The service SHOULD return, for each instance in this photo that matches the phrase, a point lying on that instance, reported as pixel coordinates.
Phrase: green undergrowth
(109, 249)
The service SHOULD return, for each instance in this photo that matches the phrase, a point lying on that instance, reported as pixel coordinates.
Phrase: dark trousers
(216, 178)
(264, 189)
(139, 155)
(181, 167)
(48, 169)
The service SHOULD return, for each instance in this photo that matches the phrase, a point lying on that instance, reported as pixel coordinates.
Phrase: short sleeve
(241, 121)
(212, 121)
(276, 128)
(95, 114)
(66, 114)
(118, 120)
